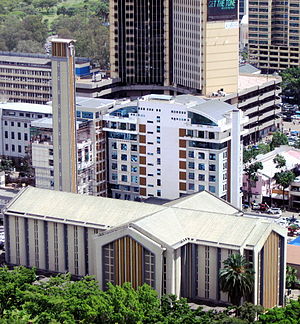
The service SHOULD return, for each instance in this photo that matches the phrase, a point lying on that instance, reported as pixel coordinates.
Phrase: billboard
(222, 10)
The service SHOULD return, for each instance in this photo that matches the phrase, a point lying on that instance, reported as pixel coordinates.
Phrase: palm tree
(236, 278)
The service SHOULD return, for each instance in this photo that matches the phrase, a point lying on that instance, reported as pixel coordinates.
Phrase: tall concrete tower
(64, 115)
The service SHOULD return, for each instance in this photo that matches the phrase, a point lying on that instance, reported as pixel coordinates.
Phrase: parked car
(255, 206)
(274, 211)
(296, 117)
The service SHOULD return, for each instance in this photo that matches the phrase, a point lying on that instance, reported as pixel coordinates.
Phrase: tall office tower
(177, 46)
(64, 115)
(274, 31)
(139, 41)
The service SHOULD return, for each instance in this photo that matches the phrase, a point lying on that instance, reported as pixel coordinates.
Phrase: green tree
(278, 139)
(91, 36)
(237, 278)
(280, 161)
(291, 277)
(291, 83)
(251, 172)
(289, 314)
(284, 179)
(6, 165)
(264, 148)
(31, 28)
(11, 282)
(249, 312)
(44, 4)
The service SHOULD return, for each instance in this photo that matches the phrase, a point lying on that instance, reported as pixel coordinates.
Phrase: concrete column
(170, 258)
(177, 262)
(235, 165)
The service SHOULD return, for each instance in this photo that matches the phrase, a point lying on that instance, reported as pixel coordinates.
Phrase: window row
(19, 136)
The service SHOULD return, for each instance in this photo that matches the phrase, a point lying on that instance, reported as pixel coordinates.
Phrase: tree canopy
(26, 24)
(291, 83)
(24, 300)
(279, 139)
(280, 161)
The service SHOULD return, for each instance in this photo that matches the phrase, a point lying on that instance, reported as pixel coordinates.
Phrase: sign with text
(222, 10)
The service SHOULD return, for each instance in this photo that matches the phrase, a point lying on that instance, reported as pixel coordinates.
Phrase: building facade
(258, 99)
(274, 31)
(177, 248)
(91, 148)
(174, 46)
(163, 146)
(15, 120)
(27, 77)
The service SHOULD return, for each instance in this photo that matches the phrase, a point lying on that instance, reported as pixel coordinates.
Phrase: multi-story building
(163, 146)
(174, 46)
(258, 98)
(91, 148)
(15, 120)
(21, 122)
(274, 31)
(177, 248)
(27, 77)
(42, 156)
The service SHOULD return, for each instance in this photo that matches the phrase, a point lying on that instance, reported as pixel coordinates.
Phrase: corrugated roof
(209, 203)
(74, 207)
(172, 224)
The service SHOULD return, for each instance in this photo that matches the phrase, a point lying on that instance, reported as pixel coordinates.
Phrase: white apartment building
(15, 120)
(42, 155)
(91, 148)
(164, 146)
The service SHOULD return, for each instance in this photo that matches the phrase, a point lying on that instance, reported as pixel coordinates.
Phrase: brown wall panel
(182, 186)
(128, 261)
(182, 132)
(142, 139)
(182, 175)
(182, 165)
(271, 275)
(142, 149)
(182, 154)
(142, 128)
(143, 170)
(142, 181)
(182, 143)
(142, 160)
(143, 192)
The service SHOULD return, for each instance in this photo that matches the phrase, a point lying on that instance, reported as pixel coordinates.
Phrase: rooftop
(22, 106)
(293, 254)
(201, 217)
(82, 103)
(248, 68)
(291, 155)
(247, 81)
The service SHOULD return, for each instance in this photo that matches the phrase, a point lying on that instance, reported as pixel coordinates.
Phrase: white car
(297, 117)
(275, 211)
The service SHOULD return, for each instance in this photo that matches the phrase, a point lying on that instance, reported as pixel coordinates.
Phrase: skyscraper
(177, 46)
(64, 115)
(139, 41)
(274, 31)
